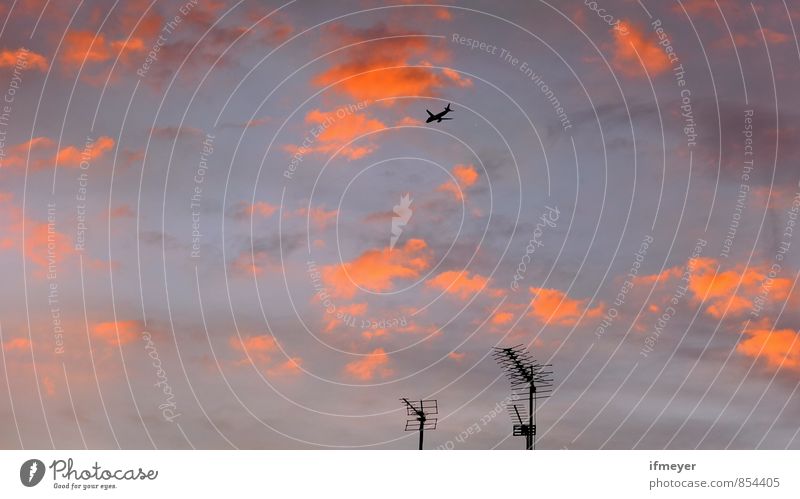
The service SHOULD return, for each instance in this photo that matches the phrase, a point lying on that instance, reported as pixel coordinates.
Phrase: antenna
(530, 381)
(421, 409)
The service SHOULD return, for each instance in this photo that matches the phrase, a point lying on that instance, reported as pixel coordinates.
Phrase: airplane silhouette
(438, 117)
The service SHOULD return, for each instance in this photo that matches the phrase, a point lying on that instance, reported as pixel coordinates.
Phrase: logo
(403, 214)
(31, 472)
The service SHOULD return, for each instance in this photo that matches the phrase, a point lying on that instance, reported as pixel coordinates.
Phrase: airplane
(438, 117)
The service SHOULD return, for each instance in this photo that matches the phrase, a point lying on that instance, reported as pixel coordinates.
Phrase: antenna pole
(420, 410)
(531, 412)
(529, 380)
(421, 431)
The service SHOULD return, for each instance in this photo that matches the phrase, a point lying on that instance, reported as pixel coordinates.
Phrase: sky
(226, 224)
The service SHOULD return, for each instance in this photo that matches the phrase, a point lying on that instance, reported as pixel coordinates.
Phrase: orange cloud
(333, 131)
(710, 11)
(502, 318)
(342, 313)
(116, 333)
(71, 156)
(80, 46)
(397, 326)
(26, 58)
(709, 282)
(18, 154)
(377, 269)
(409, 121)
(259, 208)
(257, 348)
(466, 176)
(369, 367)
(48, 385)
(650, 279)
(755, 38)
(42, 244)
(380, 68)
(719, 288)
(552, 306)
(456, 356)
(252, 262)
(121, 211)
(20, 344)
(290, 367)
(86, 47)
(626, 47)
(45, 246)
(461, 284)
(777, 348)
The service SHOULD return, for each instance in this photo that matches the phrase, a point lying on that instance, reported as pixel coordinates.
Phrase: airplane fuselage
(438, 117)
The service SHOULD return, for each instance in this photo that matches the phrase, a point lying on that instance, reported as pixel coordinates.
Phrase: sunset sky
(226, 224)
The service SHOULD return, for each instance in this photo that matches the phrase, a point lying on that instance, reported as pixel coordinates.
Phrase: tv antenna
(420, 410)
(530, 381)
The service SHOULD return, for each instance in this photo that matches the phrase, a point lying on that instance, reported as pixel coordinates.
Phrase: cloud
(409, 121)
(777, 348)
(68, 157)
(460, 283)
(121, 211)
(259, 208)
(116, 333)
(375, 364)
(502, 318)
(466, 176)
(41, 242)
(332, 320)
(715, 285)
(16, 155)
(71, 156)
(332, 131)
(26, 59)
(377, 269)
(754, 38)
(626, 47)
(252, 262)
(551, 306)
(719, 288)
(397, 326)
(258, 348)
(379, 69)
(709, 10)
(17, 344)
(48, 385)
(87, 47)
(290, 367)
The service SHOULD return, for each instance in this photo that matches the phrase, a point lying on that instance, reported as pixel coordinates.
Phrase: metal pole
(421, 431)
(533, 433)
(529, 434)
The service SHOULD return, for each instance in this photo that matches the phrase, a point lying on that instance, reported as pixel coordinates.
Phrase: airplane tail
(448, 107)
(430, 114)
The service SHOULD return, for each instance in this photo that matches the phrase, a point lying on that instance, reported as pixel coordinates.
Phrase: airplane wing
(429, 113)
(440, 119)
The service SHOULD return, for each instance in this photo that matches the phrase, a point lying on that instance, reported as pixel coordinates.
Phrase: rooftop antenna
(420, 410)
(530, 381)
